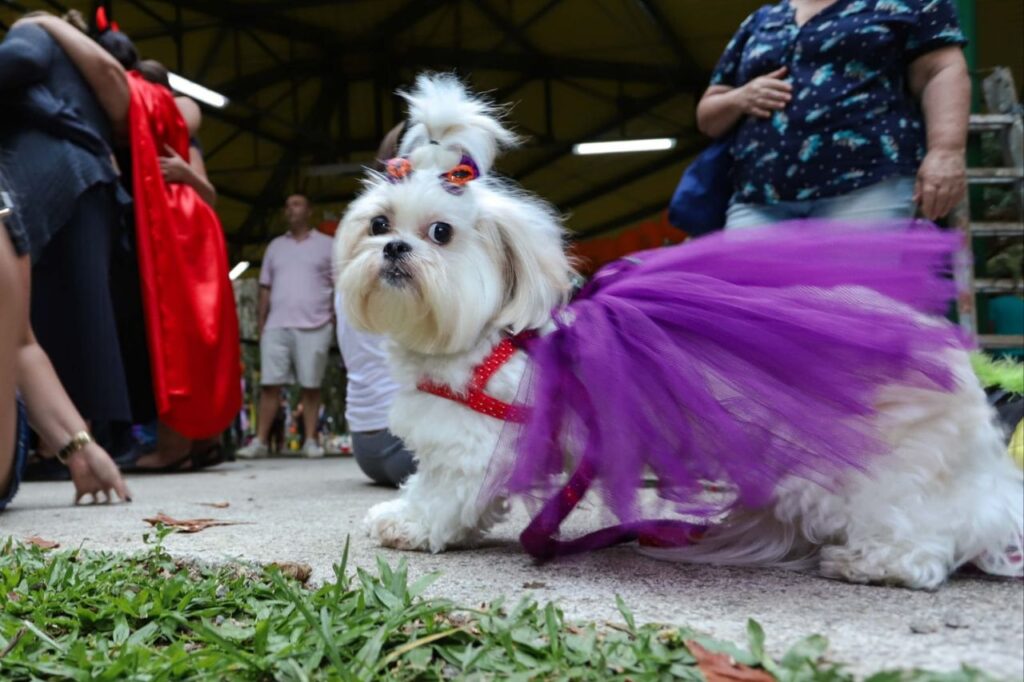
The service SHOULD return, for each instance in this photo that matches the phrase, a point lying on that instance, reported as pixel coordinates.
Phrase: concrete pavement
(302, 511)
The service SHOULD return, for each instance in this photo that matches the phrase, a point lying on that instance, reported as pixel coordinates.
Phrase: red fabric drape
(188, 301)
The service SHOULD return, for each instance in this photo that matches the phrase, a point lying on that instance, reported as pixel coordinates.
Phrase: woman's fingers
(944, 200)
(778, 86)
(929, 201)
(122, 489)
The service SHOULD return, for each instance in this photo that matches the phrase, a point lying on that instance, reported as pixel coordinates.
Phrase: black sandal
(212, 454)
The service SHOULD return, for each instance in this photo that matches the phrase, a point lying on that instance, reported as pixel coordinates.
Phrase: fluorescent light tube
(240, 267)
(655, 144)
(196, 91)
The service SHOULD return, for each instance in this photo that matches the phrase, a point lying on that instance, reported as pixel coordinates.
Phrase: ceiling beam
(156, 33)
(317, 119)
(540, 66)
(530, 21)
(667, 160)
(621, 221)
(654, 14)
(209, 59)
(631, 109)
(245, 14)
(165, 23)
(272, 75)
(531, 67)
(269, 19)
(511, 31)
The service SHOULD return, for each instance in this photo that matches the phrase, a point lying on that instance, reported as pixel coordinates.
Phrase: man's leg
(275, 372)
(270, 399)
(310, 412)
(312, 348)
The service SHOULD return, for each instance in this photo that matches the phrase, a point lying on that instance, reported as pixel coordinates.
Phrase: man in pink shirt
(296, 323)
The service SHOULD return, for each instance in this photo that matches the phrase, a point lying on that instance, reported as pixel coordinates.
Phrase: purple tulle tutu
(740, 358)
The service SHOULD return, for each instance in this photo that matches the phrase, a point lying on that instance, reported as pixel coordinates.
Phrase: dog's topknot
(446, 121)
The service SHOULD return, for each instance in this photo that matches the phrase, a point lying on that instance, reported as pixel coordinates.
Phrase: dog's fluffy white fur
(946, 494)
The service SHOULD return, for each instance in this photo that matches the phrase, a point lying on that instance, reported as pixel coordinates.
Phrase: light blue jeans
(890, 199)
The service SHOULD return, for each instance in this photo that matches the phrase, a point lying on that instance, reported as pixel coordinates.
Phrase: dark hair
(299, 194)
(389, 145)
(154, 72)
(120, 47)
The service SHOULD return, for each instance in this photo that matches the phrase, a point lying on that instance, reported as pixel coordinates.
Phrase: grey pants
(382, 456)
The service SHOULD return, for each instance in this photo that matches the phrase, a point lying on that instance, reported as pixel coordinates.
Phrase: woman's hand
(765, 94)
(93, 472)
(941, 182)
(174, 168)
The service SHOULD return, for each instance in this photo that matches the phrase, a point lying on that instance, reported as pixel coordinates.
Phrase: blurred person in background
(42, 403)
(370, 388)
(843, 110)
(296, 323)
(63, 98)
(191, 326)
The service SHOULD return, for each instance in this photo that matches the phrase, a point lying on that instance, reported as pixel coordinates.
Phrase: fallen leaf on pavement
(300, 572)
(188, 525)
(216, 505)
(718, 667)
(41, 543)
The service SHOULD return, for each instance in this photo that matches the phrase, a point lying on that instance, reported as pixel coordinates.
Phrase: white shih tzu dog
(449, 262)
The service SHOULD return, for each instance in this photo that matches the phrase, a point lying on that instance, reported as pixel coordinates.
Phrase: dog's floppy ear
(537, 270)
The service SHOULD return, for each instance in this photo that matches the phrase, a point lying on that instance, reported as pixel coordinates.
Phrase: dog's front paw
(392, 524)
(906, 567)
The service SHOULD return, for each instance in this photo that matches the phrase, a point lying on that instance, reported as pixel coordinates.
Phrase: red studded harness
(474, 396)
(540, 538)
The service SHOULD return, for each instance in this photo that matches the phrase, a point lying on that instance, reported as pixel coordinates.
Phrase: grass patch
(91, 616)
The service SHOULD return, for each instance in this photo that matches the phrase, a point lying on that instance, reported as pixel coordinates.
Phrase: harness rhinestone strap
(475, 398)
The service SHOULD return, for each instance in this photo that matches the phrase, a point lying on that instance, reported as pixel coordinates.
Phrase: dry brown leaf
(188, 525)
(41, 543)
(216, 505)
(300, 572)
(718, 667)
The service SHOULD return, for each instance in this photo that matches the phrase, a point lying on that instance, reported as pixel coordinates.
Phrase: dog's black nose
(396, 249)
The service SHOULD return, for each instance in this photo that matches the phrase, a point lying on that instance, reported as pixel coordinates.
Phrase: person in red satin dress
(189, 304)
(187, 298)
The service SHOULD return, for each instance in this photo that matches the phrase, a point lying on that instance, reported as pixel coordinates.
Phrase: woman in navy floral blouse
(847, 109)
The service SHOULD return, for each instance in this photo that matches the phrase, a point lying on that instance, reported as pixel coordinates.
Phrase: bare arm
(263, 309)
(105, 76)
(198, 166)
(12, 317)
(190, 112)
(722, 107)
(940, 81)
(191, 172)
(54, 417)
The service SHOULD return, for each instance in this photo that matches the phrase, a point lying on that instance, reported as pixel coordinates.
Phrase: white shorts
(305, 350)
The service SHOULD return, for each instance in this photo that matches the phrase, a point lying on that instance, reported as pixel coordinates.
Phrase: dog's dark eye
(440, 233)
(379, 225)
